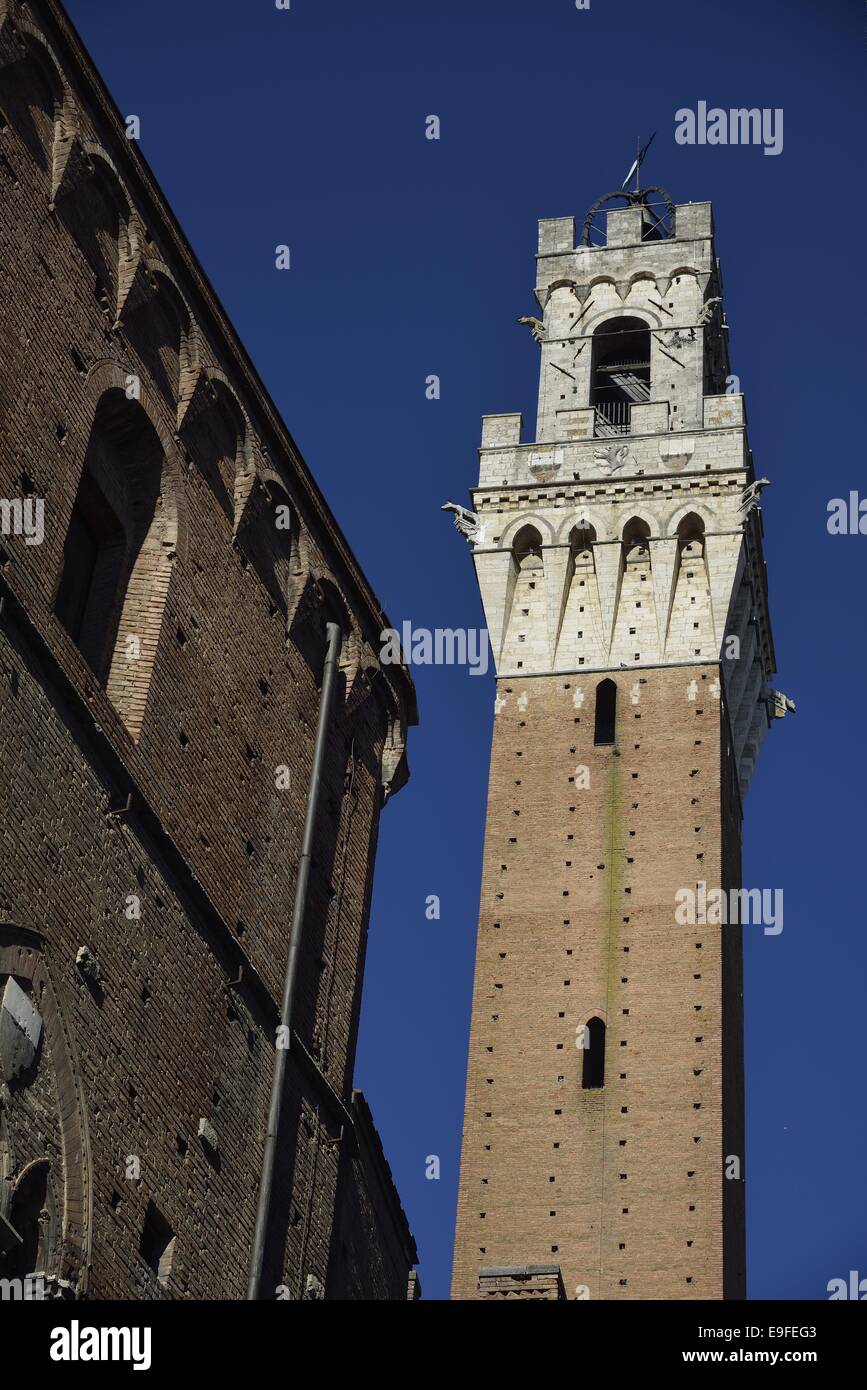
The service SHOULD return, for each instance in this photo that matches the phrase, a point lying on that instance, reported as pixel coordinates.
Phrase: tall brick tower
(620, 564)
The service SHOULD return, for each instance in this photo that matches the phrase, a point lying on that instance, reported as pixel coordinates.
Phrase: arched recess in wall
(46, 1183)
(333, 609)
(687, 277)
(645, 278)
(320, 603)
(638, 292)
(28, 96)
(544, 292)
(94, 207)
(691, 628)
(601, 287)
(581, 640)
(636, 637)
(526, 644)
(119, 552)
(36, 99)
(268, 532)
(33, 1218)
(619, 372)
(214, 432)
(158, 326)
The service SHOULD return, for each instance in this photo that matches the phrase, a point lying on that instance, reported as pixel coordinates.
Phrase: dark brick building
(162, 639)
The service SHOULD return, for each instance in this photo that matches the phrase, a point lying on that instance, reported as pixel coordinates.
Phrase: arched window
(593, 1069)
(581, 542)
(620, 372)
(605, 727)
(32, 1218)
(527, 548)
(690, 536)
(636, 534)
(118, 554)
(93, 556)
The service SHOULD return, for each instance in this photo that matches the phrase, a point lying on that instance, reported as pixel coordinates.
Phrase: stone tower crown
(629, 533)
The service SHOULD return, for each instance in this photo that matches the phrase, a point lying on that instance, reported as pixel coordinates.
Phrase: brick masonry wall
(98, 289)
(372, 1241)
(622, 1186)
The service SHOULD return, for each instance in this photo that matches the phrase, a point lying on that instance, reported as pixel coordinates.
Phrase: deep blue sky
(412, 257)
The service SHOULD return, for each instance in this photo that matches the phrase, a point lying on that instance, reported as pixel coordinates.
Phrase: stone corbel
(394, 772)
(496, 572)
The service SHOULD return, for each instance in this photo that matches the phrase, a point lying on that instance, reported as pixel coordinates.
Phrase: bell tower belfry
(619, 558)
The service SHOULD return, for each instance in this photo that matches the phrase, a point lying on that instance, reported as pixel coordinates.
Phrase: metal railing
(612, 417)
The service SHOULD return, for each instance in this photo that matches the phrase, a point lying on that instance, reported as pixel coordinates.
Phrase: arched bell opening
(619, 373)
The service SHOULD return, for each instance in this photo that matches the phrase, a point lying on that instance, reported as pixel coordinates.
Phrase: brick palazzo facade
(161, 653)
(620, 564)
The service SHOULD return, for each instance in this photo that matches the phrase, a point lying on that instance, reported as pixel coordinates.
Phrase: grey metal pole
(278, 1082)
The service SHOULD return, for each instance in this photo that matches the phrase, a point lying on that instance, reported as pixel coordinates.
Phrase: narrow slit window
(606, 713)
(593, 1069)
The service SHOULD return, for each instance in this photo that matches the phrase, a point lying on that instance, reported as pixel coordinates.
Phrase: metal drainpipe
(278, 1083)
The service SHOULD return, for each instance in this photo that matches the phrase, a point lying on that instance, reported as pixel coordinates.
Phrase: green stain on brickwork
(613, 841)
(613, 838)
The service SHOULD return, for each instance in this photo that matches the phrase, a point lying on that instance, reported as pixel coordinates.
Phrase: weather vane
(662, 225)
(639, 160)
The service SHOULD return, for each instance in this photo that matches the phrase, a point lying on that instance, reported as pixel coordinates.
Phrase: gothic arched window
(593, 1069)
(118, 554)
(620, 372)
(93, 556)
(605, 726)
(33, 1219)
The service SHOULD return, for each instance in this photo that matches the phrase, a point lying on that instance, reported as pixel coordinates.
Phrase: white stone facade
(634, 546)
